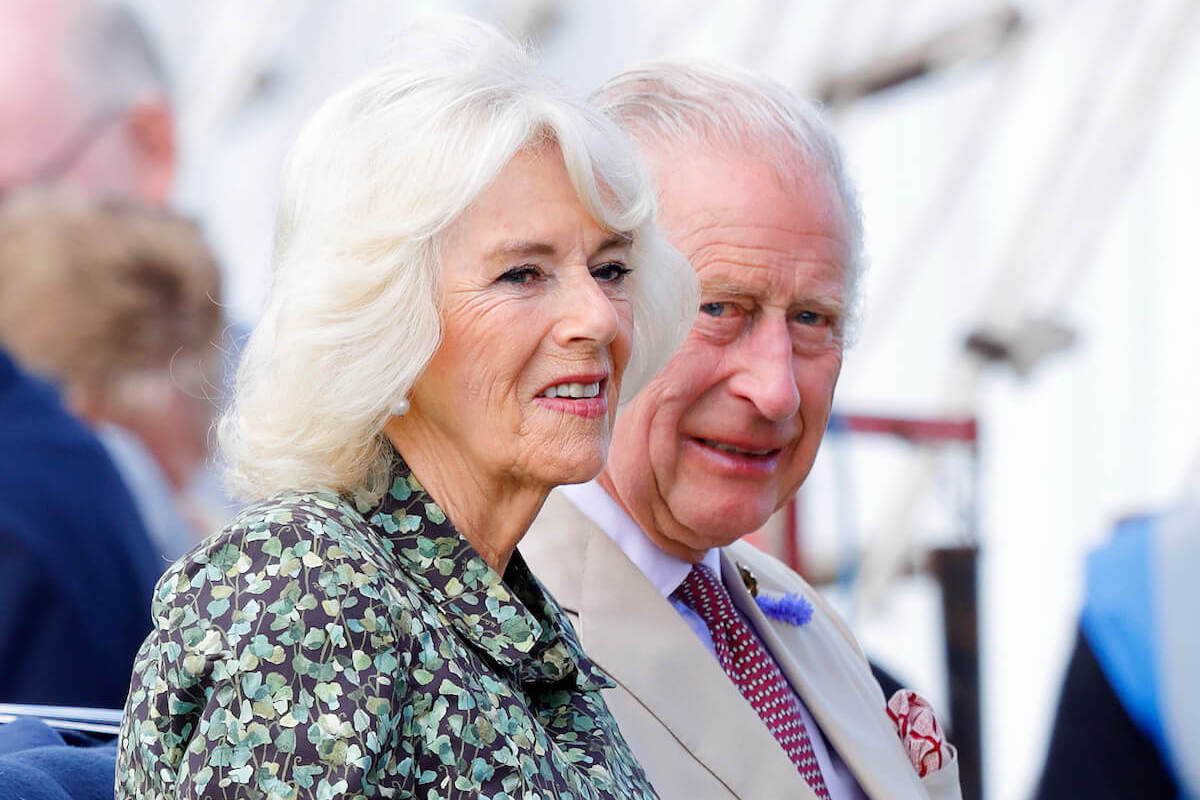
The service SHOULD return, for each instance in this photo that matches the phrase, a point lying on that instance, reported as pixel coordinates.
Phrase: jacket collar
(512, 620)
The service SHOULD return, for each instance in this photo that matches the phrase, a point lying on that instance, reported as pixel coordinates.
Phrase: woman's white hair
(371, 186)
(717, 106)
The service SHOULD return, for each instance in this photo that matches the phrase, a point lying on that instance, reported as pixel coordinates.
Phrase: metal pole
(956, 570)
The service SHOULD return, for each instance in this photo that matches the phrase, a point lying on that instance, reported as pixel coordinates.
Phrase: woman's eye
(611, 272)
(714, 309)
(520, 275)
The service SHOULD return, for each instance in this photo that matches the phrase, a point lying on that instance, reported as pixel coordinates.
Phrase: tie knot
(703, 592)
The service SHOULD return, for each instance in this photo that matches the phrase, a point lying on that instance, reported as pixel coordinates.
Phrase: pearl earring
(401, 407)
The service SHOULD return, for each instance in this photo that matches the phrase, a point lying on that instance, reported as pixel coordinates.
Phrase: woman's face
(537, 327)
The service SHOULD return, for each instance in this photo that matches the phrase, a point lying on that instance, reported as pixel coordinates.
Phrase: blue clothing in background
(1126, 722)
(1119, 619)
(39, 763)
(76, 566)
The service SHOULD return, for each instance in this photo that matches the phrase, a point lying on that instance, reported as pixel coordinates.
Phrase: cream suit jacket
(696, 737)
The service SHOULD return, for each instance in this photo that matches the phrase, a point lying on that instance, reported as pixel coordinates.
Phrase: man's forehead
(707, 192)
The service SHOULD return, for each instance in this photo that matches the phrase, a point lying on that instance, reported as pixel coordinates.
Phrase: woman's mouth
(583, 396)
(572, 390)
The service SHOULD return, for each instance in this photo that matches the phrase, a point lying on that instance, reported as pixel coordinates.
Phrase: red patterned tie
(752, 670)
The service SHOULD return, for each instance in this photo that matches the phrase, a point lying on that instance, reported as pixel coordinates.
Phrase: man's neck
(652, 527)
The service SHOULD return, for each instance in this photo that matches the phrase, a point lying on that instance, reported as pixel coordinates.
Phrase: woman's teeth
(573, 390)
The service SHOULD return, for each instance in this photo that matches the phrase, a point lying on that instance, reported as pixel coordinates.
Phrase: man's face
(728, 430)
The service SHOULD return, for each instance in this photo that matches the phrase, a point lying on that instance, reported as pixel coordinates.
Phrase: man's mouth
(572, 390)
(725, 447)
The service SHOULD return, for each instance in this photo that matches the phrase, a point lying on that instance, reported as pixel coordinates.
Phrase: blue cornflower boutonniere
(792, 608)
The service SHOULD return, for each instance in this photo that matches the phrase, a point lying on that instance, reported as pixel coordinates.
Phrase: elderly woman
(464, 255)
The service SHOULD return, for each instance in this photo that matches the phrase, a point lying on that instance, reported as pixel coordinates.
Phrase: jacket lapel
(636, 636)
(833, 681)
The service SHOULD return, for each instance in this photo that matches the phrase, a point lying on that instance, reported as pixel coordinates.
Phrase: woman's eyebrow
(524, 248)
(615, 240)
(521, 249)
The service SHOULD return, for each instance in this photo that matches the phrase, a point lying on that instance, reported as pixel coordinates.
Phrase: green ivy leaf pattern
(321, 648)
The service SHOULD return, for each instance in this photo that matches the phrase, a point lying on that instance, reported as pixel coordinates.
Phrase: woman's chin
(564, 470)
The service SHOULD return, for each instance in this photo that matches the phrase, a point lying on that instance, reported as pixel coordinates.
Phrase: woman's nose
(587, 313)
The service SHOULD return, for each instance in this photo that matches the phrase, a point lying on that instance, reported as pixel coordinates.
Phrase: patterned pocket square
(923, 738)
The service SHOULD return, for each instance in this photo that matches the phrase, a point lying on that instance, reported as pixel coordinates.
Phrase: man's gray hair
(111, 60)
(720, 107)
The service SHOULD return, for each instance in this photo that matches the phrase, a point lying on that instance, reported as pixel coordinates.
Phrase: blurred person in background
(76, 566)
(734, 678)
(84, 105)
(1128, 718)
(466, 270)
(118, 305)
(83, 101)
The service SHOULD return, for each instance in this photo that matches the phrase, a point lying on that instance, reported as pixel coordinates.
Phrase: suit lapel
(637, 637)
(835, 685)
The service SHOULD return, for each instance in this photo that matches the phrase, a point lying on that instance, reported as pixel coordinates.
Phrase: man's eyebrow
(828, 303)
(726, 287)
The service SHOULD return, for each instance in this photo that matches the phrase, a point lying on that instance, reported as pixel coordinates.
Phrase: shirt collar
(512, 619)
(663, 570)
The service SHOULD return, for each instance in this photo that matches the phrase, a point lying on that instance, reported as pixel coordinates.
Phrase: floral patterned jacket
(318, 648)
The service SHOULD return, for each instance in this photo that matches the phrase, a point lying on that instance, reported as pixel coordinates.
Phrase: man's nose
(765, 371)
(587, 313)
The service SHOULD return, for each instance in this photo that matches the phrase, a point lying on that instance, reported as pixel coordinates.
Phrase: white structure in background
(1055, 181)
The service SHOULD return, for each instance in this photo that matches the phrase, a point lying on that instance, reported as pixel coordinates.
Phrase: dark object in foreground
(1096, 750)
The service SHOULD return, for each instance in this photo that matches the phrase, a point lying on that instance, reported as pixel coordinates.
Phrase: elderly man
(722, 693)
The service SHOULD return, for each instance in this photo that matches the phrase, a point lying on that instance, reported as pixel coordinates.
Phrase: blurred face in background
(52, 131)
(728, 430)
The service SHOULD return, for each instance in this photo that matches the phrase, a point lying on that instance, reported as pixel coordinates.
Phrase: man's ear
(151, 130)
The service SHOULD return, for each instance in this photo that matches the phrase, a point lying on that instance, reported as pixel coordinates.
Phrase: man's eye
(520, 275)
(611, 272)
(811, 318)
(714, 309)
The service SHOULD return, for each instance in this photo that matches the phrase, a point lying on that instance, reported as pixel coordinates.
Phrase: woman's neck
(492, 512)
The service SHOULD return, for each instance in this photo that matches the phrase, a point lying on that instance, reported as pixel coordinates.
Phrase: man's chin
(720, 525)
